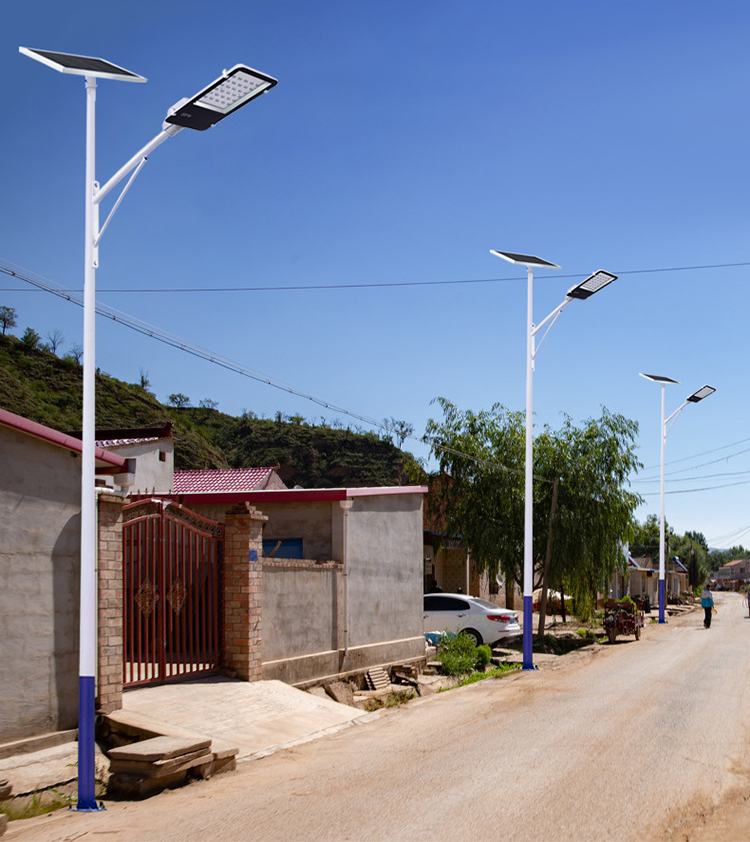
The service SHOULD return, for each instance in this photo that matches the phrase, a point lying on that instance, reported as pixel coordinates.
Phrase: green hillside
(37, 384)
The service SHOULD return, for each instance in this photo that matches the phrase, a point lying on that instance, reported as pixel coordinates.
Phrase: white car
(481, 620)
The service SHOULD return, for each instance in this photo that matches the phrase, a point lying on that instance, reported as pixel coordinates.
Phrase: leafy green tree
(718, 558)
(7, 318)
(30, 339)
(178, 400)
(693, 554)
(646, 538)
(481, 496)
(698, 538)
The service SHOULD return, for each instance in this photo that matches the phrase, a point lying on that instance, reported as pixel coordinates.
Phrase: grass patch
(552, 644)
(37, 804)
(392, 700)
(495, 672)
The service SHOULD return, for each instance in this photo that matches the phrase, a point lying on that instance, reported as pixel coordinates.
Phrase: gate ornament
(177, 596)
(146, 598)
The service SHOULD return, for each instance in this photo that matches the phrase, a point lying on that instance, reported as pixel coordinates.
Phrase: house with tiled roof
(676, 577)
(40, 523)
(734, 573)
(152, 447)
(232, 480)
(643, 578)
(199, 572)
(341, 570)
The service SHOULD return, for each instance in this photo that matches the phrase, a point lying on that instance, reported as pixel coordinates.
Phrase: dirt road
(638, 740)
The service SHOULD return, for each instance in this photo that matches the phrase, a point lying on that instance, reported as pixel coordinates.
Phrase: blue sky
(405, 139)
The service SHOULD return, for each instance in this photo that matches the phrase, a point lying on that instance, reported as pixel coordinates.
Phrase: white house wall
(154, 471)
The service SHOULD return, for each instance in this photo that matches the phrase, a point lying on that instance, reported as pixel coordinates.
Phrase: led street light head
(703, 392)
(232, 90)
(592, 284)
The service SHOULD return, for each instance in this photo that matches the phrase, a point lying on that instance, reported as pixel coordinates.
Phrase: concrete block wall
(40, 504)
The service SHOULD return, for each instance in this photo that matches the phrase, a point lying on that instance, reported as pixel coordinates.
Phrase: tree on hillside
(580, 476)
(55, 338)
(7, 318)
(398, 430)
(30, 339)
(178, 400)
(75, 353)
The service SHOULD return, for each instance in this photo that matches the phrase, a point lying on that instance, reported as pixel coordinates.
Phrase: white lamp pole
(703, 392)
(225, 95)
(585, 289)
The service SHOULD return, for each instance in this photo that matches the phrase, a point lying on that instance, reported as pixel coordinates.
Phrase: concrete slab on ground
(50, 767)
(257, 717)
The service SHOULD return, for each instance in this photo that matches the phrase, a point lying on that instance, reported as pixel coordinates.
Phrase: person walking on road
(707, 602)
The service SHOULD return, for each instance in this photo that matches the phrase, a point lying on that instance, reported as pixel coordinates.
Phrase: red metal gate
(172, 584)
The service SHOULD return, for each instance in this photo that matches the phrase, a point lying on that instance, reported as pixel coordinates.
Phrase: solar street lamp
(598, 280)
(216, 101)
(702, 393)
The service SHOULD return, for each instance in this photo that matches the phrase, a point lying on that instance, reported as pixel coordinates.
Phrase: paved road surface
(640, 740)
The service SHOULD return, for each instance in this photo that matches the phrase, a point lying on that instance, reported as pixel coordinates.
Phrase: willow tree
(583, 511)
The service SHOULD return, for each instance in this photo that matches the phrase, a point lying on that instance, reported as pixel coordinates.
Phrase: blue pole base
(528, 633)
(662, 602)
(86, 745)
(98, 809)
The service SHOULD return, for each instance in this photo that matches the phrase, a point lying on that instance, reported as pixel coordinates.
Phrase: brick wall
(110, 648)
(243, 591)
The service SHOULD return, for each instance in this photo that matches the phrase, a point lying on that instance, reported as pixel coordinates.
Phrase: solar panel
(524, 259)
(82, 65)
(657, 378)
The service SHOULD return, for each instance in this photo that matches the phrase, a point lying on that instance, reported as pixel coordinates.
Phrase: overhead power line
(146, 329)
(695, 490)
(704, 453)
(372, 285)
(195, 350)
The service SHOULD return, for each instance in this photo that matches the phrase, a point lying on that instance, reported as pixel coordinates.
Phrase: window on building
(283, 548)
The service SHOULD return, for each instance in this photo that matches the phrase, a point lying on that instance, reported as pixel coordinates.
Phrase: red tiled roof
(236, 479)
(40, 431)
(123, 442)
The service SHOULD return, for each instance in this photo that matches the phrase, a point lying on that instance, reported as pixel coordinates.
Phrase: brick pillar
(111, 607)
(243, 594)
